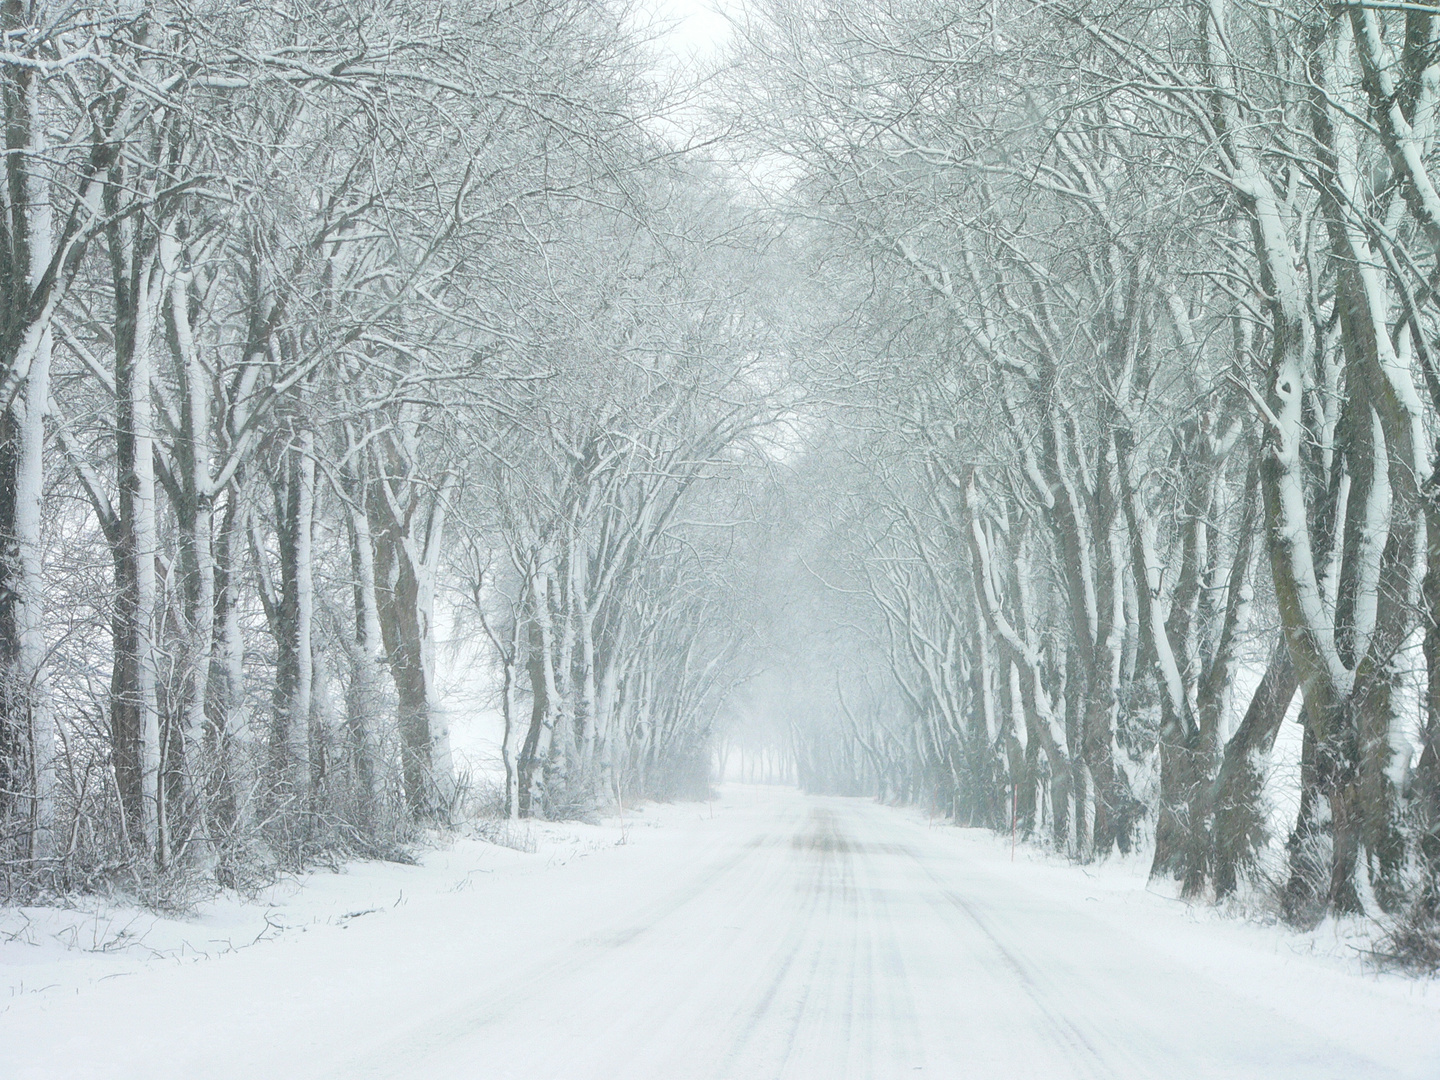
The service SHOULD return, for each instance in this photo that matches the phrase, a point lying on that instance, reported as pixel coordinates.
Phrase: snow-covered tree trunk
(367, 646)
(228, 715)
(609, 699)
(529, 768)
(564, 769)
(293, 623)
(1026, 660)
(550, 758)
(28, 720)
(510, 704)
(135, 720)
(193, 502)
(1178, 731)
(1427, 768)
(1238, 831)
(588, 719)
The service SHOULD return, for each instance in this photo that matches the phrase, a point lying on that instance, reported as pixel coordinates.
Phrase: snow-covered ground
(773, 935)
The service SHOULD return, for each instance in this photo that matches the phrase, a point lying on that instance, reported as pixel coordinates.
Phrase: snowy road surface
(787, 936)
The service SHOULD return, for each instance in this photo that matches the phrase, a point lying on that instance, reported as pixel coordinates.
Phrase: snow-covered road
(787, 936)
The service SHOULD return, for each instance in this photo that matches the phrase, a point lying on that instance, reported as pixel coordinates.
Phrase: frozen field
(784, 936)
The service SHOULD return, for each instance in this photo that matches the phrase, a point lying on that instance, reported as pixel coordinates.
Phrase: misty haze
(720, 540)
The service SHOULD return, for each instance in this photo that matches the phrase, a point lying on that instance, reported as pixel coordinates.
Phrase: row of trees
(617, 609)
(1136, 393)
(321, 321)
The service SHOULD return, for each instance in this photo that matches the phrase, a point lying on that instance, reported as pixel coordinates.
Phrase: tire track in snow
(1097, 992)
(832, 880)
(782, 963)
(1080, 1044)
(836, 1017)
(1088, 1051)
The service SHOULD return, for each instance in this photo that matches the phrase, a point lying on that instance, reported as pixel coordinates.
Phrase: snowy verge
(1122, 882)
(1237, 942)
(60, 949)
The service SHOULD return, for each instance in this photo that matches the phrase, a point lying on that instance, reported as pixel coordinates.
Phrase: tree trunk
(1115, 803)
(289, 779)
(552, 759)
(1426, 781)
(407, 548)
(228, 720)
(1213, 686)
(362, 696)
(1238, 833)
(409, 649)
(27, 723)
(194, 510)
(528, 772)
(1178, 730)
(1306, 892)
(510, 704)
(135, 720)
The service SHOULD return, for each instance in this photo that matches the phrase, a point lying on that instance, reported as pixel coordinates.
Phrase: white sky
(699, 31)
